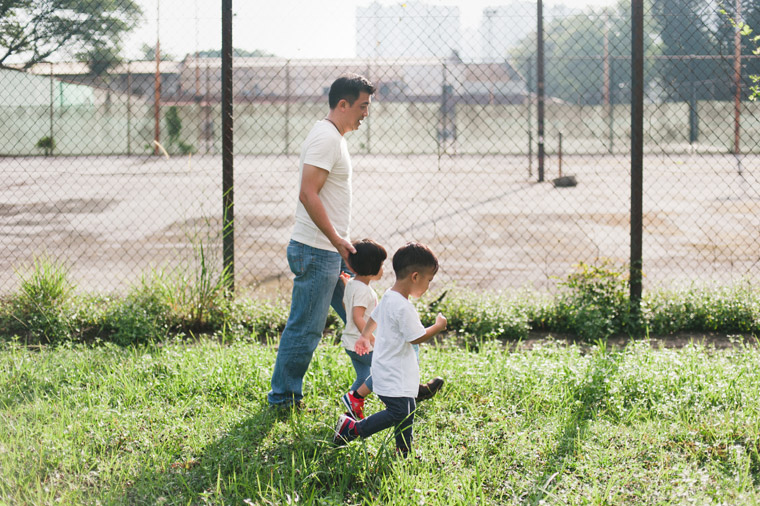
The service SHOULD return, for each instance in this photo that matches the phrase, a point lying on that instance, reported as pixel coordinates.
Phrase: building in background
(502, 27)
(410, 30)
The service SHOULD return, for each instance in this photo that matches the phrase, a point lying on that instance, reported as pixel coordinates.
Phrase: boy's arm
(367, 339)
(438, 326)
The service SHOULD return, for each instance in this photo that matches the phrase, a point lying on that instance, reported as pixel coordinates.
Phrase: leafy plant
(47, 144)
(593, 303)
(39, 308)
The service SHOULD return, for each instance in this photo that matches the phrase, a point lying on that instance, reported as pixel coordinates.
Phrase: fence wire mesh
(113, 163)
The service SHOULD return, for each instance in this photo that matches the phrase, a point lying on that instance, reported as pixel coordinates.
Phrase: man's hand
(345, 248)
(362, 346)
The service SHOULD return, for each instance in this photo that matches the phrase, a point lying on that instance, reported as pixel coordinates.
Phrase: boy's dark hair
(368, 259)
(413, 257)
(348, 86)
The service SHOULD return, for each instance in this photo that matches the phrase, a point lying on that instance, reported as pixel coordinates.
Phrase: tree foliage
(33, 30)
(574, 55)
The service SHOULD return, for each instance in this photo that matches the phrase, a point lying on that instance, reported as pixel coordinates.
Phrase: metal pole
(530, 118)
(637, 150)
(228, 230)
(129, 108)
(540, 88)
(368, 121)
(157, 94)
(607, 73)
(52, 105)
(287, 107)
(737, 76)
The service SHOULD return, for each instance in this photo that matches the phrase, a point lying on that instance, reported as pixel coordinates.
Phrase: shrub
(40, 309)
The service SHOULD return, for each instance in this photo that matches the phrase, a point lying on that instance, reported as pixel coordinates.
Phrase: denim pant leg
(362, 365)
(337, 297)
(398, 413)
(316, 277)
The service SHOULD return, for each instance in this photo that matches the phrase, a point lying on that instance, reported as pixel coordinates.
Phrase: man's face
(358, 110)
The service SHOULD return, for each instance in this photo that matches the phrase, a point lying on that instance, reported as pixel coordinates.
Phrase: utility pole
(157, 96)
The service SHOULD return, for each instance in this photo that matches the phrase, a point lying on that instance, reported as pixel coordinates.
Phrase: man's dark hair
(368, 259)
(348, 87)
(413, 257)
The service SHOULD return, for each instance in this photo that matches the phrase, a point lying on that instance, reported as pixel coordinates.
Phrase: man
(320, 242)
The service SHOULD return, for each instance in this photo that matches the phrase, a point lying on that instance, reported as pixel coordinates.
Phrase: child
(360, 299)
(395, 372)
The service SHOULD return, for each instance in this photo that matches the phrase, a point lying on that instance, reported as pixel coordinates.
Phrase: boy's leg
(355, 403)
(397, 410)
(314, 270)
(362, 365)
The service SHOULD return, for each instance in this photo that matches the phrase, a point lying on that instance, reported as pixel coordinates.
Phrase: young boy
(395, 372)
(359, 300)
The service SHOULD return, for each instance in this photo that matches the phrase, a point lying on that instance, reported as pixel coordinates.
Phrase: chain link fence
(116, 170)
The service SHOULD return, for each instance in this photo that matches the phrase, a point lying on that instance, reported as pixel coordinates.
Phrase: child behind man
(360, 300)
(395, 372)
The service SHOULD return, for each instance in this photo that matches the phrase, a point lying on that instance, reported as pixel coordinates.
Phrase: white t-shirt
(326, 148)
(357, 294)
(395, 372)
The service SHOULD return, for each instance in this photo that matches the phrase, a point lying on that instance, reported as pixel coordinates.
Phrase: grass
(186, 423)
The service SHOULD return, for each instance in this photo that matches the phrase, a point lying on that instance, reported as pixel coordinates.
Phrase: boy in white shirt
(359, 300)
(395, 372)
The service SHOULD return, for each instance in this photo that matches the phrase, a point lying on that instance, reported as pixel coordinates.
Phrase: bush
(40, 309)
(593, 303)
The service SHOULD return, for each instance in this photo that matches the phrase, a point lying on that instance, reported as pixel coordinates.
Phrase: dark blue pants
(398, 413)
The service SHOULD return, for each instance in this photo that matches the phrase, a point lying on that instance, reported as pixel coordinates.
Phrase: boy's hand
(441, 321)
(345, 277)
(362, 346)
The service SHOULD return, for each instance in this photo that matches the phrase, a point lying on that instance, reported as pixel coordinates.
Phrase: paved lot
(111, 219)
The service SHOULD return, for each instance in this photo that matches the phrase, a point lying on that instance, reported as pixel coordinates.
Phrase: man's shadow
(236, 457)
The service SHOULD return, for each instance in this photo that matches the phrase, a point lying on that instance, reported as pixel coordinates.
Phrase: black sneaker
(429, 389)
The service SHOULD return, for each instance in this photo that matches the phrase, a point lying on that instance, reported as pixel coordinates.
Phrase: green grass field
(186, 423)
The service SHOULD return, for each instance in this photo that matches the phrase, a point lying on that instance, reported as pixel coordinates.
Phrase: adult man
(320, 240)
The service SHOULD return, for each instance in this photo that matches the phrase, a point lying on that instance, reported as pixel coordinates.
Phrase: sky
(287, 28)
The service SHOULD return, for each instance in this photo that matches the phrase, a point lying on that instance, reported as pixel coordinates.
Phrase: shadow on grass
(269, 458)
(588, 397)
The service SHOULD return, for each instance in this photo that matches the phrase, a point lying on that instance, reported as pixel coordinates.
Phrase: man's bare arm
(312, 181)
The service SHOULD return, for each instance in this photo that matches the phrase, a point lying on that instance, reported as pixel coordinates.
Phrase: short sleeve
(410, 325)
(323, 151)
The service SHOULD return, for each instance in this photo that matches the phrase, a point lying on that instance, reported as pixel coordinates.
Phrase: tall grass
(188, 424)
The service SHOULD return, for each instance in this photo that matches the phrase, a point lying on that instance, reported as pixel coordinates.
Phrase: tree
(33, 30)
(149, 53)
(236, 52)
(574, 55)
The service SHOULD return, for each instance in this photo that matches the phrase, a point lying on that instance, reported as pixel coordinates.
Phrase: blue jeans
(362, 365)
(316, 287)
(398, 413)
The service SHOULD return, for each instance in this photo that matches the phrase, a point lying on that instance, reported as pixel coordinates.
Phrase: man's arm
(312, 181)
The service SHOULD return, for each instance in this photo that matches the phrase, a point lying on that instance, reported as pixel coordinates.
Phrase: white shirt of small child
(357, 294)
(395, 372)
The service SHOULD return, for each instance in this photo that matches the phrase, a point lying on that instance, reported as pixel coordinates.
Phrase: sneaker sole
(347, 405)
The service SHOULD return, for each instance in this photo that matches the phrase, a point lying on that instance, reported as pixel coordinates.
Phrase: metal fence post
(52, 107)
(228, 229)
(637, 149)
(540, 88)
